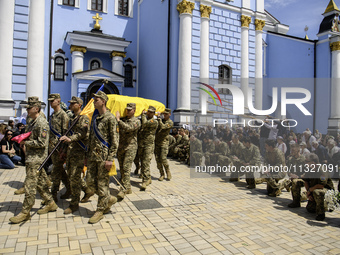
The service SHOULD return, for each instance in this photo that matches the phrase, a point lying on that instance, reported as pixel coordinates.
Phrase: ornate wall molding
(117, 54)
(78, 48)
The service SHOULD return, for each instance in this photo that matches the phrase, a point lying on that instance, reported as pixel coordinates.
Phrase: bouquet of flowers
(332, 198)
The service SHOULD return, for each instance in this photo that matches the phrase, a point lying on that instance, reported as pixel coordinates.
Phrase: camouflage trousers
(58, 174)
(137, 160)
(125, 159)
(196, 158)
(318, 205)
(297, 184)
(161, 153)
(207, 158)
(273, 185)
(75, 165)
(145, 154)
(35, 181)
(171, 149)
(97, 179)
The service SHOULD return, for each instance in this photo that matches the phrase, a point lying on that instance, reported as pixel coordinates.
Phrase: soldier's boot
(143, 186)
(71, 209)
(88, 193)
(295, 204)
(287, 183)
(20, 218)
(112, 201)
(66, 195)
(136, 171)
(51, 207)
(128, 191)
(161, 172)
(148, 182)
(98, 215)
(19, 191)
(168, 174)
(121, 194)
(303, 196)
(320, 217)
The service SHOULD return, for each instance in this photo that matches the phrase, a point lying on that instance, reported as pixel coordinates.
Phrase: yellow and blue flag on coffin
(118, 103)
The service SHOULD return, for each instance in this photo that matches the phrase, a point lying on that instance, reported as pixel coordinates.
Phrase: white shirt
(282, 147)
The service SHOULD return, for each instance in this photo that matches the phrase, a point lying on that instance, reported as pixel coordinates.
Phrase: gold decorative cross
(97, 18)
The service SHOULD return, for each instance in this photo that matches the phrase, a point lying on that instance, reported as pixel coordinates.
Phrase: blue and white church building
(162, 50)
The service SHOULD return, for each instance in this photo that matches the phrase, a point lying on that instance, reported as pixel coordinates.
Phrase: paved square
(199, 216)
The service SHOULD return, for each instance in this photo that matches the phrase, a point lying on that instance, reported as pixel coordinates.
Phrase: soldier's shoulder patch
(44, 133)
(87, 122)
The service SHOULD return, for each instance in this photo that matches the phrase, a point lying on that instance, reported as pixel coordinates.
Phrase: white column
(259, 24)
(184, 55)
(6, 48)
(335, 82)
(77, 66)
(204, 54)
(245, 21)
(35, 49)
(117, 62)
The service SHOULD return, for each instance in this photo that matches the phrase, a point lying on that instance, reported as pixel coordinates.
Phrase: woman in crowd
(7, 152)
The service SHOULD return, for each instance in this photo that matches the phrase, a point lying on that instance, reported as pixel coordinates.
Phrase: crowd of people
(286, 160)
(78, 141)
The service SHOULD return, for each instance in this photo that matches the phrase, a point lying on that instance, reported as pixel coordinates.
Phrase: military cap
(101, 95)
(131, 106)
(151, 109)
(167, 110)
(32, 104)
(76, 100)
(52, 97)
(32, 99)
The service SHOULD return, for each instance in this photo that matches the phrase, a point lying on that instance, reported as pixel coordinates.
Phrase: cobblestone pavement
(182, 216)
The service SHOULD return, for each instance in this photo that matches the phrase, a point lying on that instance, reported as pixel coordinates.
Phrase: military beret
(52, 97)
(76, 100)
(101, 95)
(151, 109)
(131, 106)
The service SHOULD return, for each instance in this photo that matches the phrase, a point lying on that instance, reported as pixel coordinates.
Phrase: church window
(224, 77)
(97, 5)
(59, 69)
(128, 76)
(94, 64)
(123, 7)
(68, 2)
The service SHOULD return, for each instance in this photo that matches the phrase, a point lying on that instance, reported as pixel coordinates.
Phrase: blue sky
(299, 13)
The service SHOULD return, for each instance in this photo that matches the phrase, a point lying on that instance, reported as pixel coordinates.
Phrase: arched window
(224, 77)
(59, 69)
(94, 64)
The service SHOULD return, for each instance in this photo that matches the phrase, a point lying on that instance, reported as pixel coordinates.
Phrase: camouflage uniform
(171, 149)
(146, 145)
(209, 150)
(252, 156)
(172, 142)
(36, 152)
(196, 152)
(182, 148)
(128, 128)
(236, 150)
(318, 205)
(274, 158)
(220, 156)
(97, 177)
(162, 144)
(296, 183)
(76, 156)
(58, 122)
